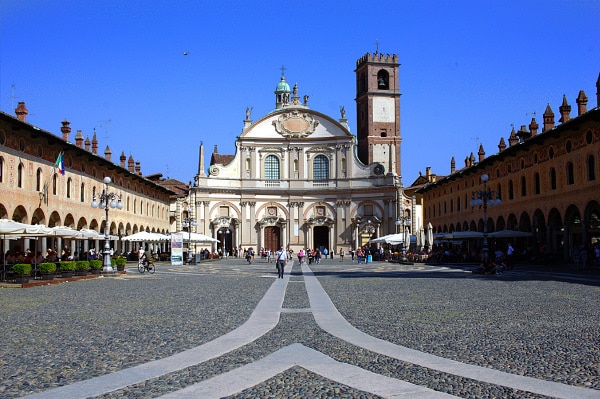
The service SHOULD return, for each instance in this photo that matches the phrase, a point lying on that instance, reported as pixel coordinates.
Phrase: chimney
(87, 143)
(79, 139)
(452, 165)
(21, 111)
(533, 127)
(481, 153)
(107, 153)
(130, 164)
(548, 119)
(65, 129)
(501, 145)
(581, 103)
(94, 144)
(565, 110)
(122, 159)
(138, 168)
(216, 150)
(428, 172)
(513, 139)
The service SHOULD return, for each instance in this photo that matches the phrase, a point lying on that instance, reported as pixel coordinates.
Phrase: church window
(553, 179)
(368, 210)
(224, 211)
(69, 187)
(82, 193)
(511, 191)
(537, 183)
(271, 168)
(383, 80)
(321, 168)
(295, 165)
(523, 186)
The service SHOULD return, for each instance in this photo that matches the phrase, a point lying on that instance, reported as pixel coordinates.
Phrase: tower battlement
(377, 57)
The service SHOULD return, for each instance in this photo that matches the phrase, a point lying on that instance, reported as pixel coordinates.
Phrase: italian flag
(60, 164)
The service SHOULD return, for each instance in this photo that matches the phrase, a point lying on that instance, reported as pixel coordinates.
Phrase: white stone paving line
(264, 318)
(330, 320)
(297, 354)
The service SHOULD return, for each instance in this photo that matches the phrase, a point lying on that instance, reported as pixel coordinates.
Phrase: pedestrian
(510, 252)
(341, 254)
(282, 258)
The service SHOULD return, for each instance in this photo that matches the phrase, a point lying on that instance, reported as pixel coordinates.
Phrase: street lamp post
(188, 222)
(403, 220)
(485, 198)
(107, 200)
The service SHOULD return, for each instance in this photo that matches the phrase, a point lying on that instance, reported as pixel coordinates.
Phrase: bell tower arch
(378, 110)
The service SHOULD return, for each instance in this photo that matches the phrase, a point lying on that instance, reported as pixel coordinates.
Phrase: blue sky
(469, 69)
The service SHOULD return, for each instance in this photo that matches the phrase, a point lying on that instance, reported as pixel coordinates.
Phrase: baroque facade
(301, 179)
(548, 183)
(34, 193)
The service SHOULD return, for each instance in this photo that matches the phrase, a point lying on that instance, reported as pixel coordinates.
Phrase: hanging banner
(176, 248)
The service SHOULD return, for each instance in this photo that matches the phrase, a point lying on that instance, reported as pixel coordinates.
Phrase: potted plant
(120, 262)
(95, 266)
(47, 269)
(66, 269)
(22, 272)
(82, 267)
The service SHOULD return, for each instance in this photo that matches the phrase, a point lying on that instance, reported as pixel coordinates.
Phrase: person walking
(282, 258)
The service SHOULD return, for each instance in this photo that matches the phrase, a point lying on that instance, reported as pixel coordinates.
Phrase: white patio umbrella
(510, 234)
(11, 229)
(429, 238)
(197, 238)
(146, 237)
(406, 239)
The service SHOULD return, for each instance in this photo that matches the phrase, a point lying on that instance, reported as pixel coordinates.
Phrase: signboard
(176, 248)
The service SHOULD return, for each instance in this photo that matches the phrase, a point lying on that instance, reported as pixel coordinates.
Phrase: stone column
(253, 238)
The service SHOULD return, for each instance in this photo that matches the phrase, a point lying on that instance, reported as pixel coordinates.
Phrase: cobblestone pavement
(528, 323)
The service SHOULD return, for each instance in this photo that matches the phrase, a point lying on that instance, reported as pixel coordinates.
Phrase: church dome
(283, 86)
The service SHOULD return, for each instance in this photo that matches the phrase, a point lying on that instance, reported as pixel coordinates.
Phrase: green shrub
(47, 267)
(82, 265)
(67, 266)
(120, 261)
(22, 269)
(96, 264)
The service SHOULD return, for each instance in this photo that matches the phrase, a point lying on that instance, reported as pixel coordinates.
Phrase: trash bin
(369, 258)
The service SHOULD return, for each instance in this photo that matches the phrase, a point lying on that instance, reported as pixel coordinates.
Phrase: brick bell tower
(378, 110)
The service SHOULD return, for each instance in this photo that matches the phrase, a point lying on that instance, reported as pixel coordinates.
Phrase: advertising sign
(177, 249)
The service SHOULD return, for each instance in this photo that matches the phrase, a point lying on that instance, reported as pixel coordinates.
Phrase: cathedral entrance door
(272, 239)
(321, 237)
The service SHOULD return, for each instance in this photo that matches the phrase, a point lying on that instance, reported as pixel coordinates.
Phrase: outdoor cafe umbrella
(12, 229)
(146, 236)
(198, 238)
(429, 238)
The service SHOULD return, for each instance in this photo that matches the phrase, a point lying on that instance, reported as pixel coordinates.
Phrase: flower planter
(66, 274)
(47, 276)
(19, 279)
(95, 271)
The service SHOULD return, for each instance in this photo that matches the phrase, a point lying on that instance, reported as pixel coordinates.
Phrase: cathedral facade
(302, 179)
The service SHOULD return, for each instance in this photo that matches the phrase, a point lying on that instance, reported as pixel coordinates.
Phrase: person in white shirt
(281, 257)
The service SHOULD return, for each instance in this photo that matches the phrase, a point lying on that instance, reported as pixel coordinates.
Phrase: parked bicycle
(145, 265)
